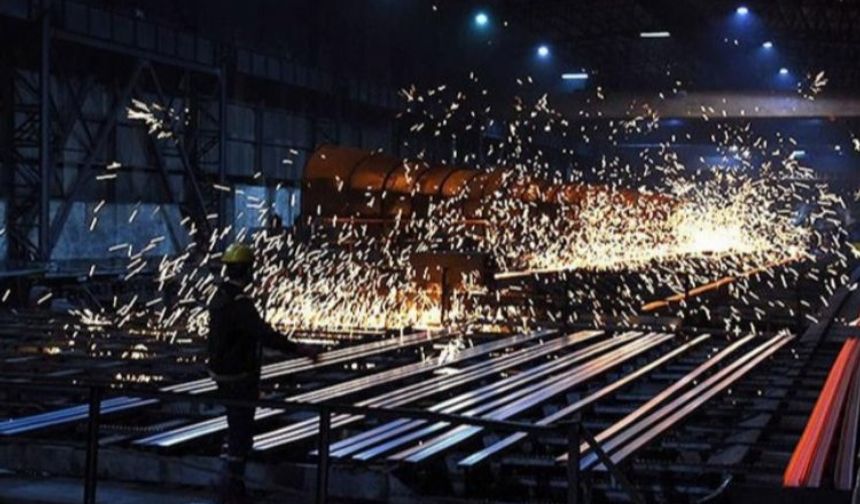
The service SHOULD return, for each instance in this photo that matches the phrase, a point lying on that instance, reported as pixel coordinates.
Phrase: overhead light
(768, 44)
(543, 51)
(481, 19)
(742, 10)
(783, 71)
(655, 34)
(574, 76)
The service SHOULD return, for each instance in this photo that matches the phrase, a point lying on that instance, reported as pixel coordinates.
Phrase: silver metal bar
(696, 397)
(361, 437)
(470, 398)
(79, 412)
(668, 392)
(626, 435)
(291, 366)
(269, 371)
(308, 428)
(512, 439)
(474, 396)
(580, 374)
(196, 430)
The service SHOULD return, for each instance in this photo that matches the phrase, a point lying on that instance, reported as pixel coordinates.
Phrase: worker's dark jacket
(237, 335)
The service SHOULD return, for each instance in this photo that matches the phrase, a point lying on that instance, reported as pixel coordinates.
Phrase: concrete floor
(19, 490)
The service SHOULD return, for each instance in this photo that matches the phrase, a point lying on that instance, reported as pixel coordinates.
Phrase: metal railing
(572, 430)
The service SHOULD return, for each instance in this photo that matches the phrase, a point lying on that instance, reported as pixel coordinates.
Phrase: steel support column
(7, 129)
(45, 168)
(223, 219)
(87, 172)
(324, 457)
(91, 469)
(573, 441)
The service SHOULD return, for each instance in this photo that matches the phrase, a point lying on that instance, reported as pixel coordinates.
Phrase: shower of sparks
(158, 119)
(665, 225)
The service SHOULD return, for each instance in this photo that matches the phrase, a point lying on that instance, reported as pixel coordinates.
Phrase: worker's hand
(310, 351)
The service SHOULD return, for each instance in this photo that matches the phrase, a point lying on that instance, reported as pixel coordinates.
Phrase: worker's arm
(272, 339)
(261, 330)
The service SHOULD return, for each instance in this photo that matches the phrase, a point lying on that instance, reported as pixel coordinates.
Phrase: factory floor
(20, 490)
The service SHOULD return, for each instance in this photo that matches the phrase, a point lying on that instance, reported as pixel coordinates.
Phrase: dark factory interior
(435, 251)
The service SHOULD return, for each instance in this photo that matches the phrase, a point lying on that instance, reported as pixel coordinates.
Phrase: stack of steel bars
(839, 401)
(199, 429)
(269, 372)
(499, 400)
(644, 424)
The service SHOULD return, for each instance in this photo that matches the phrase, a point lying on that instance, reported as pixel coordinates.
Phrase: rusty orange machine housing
(343, 185)
(350, 183)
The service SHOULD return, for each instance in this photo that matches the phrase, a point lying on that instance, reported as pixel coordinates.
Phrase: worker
(237, 335)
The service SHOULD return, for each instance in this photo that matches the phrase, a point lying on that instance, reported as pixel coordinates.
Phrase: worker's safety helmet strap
(238, 253)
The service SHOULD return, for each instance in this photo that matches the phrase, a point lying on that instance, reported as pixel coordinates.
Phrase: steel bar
(269, 371)
(714, 285)
(512, 439)
(459, 403)
(847, 445)
(307, 428)
(799, 468)
(470, 398)
(430, 387)
(72, 414)
(669, 391)
(553, 387)
(697, 396)
(825, 445)
(632, 429)
(384, 413)
(211, 426)
(291, 366)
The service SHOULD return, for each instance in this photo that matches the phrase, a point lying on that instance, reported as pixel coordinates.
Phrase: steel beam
(222, 145)
(86, 173)
(7, 130)
(193, 175)
(45, 168)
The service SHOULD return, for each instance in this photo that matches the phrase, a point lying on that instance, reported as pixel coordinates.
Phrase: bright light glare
(575, 76)
(655, 34)
(481, 19)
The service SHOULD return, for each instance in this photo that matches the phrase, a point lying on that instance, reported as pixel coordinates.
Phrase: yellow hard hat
(238, 253)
